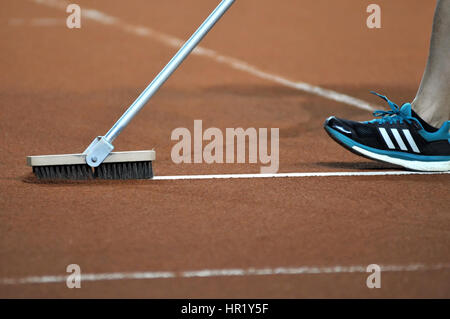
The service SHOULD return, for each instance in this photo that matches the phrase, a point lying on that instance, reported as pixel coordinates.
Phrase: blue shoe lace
(392, 116)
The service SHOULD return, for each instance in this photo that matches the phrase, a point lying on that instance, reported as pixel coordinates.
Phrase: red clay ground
(59, 88)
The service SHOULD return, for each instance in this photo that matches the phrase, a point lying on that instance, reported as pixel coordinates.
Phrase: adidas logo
(398, 138)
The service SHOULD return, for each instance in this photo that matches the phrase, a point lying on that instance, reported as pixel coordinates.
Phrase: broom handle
(162, 77)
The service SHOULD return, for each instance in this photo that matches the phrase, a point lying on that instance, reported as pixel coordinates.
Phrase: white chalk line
(233, 272)
(236, 64)
(37, 22)
(295, 175)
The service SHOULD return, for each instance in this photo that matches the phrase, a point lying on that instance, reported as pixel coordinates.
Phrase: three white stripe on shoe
(399, 139)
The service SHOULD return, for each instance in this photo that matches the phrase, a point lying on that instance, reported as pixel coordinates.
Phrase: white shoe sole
(442, 166)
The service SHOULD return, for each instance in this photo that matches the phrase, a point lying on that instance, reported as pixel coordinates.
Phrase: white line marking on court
(297, 175)
(200, 51)
(209, 273)
(16, 22)
(37, 22)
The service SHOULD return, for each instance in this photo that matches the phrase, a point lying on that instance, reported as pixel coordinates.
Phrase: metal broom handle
(162, 77)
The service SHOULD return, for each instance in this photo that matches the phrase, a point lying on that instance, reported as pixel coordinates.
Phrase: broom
(98, 161)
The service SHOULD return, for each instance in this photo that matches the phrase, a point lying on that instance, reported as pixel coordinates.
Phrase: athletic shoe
(398, 136)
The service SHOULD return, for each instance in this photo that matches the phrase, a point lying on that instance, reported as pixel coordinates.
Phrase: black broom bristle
(121, 170)
(75, 172)
(124, 170)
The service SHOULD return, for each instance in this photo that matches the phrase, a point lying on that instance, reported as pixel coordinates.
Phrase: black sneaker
(398, 137)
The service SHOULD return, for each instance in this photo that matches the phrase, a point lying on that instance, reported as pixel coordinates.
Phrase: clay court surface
(59, 88)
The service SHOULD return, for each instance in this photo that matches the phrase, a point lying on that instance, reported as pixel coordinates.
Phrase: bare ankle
(433, 113)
